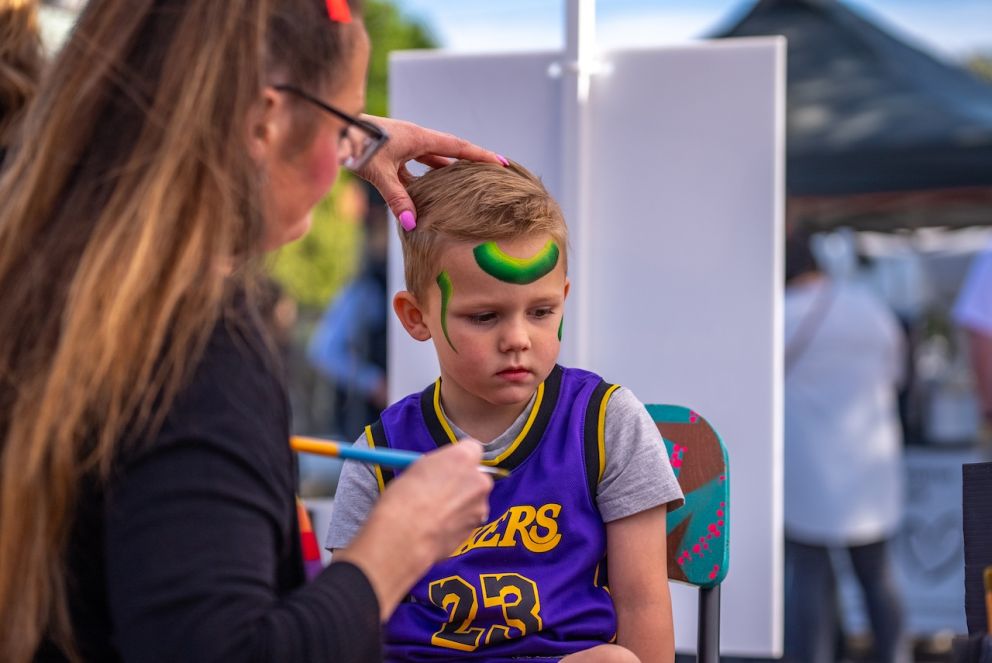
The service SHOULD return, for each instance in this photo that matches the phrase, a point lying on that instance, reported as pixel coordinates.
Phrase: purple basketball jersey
(530, 583)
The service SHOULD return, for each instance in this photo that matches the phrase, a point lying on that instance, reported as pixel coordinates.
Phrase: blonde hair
(469, 201)
(20, 63)
(118, 233)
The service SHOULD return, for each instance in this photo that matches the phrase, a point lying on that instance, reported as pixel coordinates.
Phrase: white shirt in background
(843, 440)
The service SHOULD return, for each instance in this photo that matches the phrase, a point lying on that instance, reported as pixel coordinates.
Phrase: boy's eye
(482, 318)
(543, 312)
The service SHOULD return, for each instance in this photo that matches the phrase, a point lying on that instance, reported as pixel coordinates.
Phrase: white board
(683, 267)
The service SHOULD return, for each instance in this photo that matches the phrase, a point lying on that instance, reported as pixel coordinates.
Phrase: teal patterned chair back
(699, 531)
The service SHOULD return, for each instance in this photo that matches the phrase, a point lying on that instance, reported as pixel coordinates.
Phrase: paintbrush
(385, 457)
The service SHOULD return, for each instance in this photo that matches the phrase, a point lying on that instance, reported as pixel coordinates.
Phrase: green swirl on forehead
(444, 283)
(516, 270)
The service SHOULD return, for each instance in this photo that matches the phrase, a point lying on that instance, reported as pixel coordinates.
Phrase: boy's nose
(514, 338)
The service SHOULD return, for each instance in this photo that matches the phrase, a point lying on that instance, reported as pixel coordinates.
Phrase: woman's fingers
(411, 142)
(414, 140)
(391, 185)
(427, 512)
(435, 161)
(458, 491)
(436, 142)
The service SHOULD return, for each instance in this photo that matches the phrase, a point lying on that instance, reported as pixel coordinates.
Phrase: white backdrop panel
(684, 258)
(685, 282)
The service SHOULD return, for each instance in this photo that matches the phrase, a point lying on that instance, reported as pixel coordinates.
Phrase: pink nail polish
(503, 160)
(407, 220)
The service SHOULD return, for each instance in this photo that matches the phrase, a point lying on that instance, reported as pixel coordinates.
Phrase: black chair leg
(708, 625)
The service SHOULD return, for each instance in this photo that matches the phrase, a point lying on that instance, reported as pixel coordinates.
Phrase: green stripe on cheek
(444, 283)
(516, 270)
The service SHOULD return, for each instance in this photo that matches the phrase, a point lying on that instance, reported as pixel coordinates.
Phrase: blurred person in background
(843, 457)
(348, 346)
(21, 62)
(973, 312)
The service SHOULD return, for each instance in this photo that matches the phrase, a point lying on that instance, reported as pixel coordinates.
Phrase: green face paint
(444, 283)
(561, 323)
(516, 270)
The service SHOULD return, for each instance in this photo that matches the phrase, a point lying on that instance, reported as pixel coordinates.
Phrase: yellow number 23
(516, 595)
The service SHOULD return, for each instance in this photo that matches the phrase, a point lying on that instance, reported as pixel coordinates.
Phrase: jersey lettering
(536, 529)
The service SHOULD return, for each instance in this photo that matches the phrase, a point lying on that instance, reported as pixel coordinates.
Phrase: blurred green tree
(315, 267)
(389, 31)
(980, 64)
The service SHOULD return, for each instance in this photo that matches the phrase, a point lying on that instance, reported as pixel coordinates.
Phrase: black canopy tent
(880, 135)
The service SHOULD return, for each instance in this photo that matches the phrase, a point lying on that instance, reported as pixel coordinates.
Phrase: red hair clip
(339, 11)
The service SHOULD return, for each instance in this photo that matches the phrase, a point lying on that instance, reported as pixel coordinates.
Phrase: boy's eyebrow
(483, 300)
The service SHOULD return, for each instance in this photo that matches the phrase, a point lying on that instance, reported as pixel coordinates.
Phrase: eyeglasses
(359, 139)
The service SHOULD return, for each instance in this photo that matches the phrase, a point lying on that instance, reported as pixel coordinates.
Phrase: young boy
(589, 478)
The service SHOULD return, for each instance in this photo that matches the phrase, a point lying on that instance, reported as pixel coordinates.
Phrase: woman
(147, 507)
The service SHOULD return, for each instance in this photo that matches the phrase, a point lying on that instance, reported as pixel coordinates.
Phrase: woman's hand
(410, 142)
(425, 513)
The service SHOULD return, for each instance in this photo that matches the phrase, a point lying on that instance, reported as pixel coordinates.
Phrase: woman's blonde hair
(471, 201)
(119, 233)
(20, 62)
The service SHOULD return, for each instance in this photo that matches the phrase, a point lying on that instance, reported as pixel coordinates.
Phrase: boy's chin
(517, 394)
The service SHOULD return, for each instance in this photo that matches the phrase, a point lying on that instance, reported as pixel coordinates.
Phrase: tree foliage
(389, 31)
(980, 64)
(313, 268)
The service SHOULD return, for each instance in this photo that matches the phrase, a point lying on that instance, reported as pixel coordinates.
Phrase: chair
(698, 533)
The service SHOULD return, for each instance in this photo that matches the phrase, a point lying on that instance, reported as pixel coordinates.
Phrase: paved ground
(936, 649)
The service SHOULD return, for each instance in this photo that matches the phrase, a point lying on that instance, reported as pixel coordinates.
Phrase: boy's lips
(514, 373)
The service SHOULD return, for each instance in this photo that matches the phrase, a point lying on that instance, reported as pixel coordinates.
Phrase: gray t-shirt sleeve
(354, 498)
(638, 474)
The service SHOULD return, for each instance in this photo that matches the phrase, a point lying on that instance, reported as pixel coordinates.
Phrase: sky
(950, 28)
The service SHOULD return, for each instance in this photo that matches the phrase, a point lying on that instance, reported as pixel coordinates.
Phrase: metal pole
(708, 625)
(576, 70)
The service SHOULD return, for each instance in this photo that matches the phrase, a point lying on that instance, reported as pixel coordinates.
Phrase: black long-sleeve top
(191, 552)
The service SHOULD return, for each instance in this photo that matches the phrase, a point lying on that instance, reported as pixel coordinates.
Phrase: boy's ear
(411, 315)
(568, 285)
